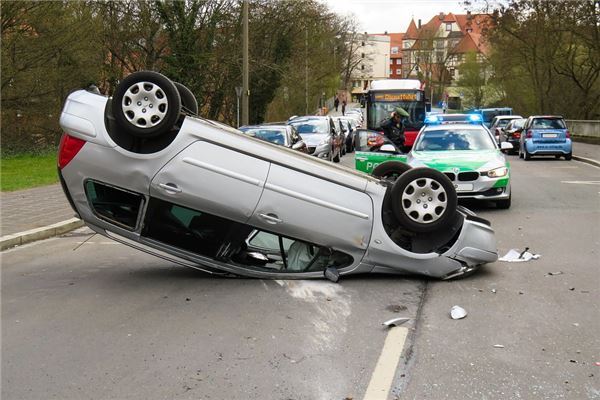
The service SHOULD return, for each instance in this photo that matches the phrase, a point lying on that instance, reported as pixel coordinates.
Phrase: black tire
(504, 204)
(149, 116)
(526, 155)
(390, 170)
(569, 156)
(424, 200)
(188, 101)
(336, 158)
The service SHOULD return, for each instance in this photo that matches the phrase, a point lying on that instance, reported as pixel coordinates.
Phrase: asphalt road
(101, 321)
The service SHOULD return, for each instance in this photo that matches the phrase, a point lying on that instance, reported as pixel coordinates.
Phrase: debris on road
(494, 291)
(514, 255)
(395, 322)
(499, 346)
(457, 312)
(555, 273)
(396, 308)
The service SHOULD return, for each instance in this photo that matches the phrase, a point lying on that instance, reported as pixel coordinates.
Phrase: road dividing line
(582, 182)
(383, 376)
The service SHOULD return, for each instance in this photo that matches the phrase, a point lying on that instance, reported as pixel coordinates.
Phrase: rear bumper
(539, 147)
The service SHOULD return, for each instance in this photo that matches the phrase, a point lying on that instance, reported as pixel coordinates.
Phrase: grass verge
(27, 171)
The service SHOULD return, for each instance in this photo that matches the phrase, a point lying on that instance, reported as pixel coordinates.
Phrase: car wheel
(424, 200)
(390, 170)
(188, 101)
(504, 204)
(569, 156)
(526, 154)
(336, 159)
(146, 104)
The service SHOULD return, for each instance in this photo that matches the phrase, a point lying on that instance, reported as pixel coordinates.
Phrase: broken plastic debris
(395, 321)
(457, 312)
(515, 255)
(597, 364)
(498, 346)
(493, 290)
(555, 273)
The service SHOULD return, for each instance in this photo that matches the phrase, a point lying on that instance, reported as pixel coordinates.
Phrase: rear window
(307, 127)
(548, 123)
(276, 136)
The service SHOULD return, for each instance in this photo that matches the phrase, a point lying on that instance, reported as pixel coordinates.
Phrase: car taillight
(68, 149)
(516, 135)
(568, 134)
(529, 134)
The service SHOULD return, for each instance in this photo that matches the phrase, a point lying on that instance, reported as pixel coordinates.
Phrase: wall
(584, 128)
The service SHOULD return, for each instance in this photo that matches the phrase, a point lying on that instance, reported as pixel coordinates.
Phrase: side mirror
(506, 146)
(388, 148)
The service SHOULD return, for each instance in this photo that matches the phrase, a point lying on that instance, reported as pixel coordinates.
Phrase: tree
(473, 79)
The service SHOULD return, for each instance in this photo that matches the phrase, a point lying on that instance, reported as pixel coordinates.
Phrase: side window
(114, 205)
(370, 140)
(193, 230)
(281, 254)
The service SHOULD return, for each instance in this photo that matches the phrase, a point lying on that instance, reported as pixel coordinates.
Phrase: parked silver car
(138, 170)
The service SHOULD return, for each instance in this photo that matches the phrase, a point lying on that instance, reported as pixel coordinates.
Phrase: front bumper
(320, 151)
(482, 188)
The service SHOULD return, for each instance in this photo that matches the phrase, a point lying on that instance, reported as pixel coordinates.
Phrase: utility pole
(306, 72)
(245, 73)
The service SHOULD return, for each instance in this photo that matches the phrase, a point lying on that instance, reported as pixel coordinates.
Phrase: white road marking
(383, 375)
(582, 182)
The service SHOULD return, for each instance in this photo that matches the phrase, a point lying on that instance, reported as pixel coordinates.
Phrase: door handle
(271, 218)
(169, 187)
(361, 158)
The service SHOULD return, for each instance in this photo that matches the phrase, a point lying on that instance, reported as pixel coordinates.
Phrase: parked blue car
(545, 135)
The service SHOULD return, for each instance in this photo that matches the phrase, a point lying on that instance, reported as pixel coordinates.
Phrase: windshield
(379, 111)
(454, 139)
(314, 126)
(276, 136)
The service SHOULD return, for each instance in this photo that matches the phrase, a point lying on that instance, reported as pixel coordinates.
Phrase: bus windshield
(380, 110)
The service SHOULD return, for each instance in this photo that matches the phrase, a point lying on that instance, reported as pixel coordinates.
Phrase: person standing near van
(344, 107)
(336, 102)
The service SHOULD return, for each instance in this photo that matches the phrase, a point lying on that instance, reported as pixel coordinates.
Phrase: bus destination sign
(395, 97)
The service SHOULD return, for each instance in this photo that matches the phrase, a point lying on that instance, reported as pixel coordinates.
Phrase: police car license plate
(463, 187)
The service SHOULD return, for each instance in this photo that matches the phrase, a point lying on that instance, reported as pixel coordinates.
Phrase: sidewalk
(40, 213)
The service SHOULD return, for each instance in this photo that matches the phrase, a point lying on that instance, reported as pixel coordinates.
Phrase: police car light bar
(474, 117)
(432, 119)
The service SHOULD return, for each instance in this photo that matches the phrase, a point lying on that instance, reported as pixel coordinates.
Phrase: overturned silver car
(143, 169)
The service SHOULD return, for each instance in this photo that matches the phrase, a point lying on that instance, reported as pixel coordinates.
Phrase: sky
(378, 16)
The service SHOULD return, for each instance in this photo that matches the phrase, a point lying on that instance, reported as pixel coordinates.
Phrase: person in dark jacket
(336, 103)
(393, 129)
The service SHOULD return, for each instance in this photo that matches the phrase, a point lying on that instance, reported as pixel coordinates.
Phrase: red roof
(471, 42)
(411, 32)
(449, 18)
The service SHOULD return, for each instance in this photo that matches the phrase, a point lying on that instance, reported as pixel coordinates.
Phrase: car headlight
(498, 172)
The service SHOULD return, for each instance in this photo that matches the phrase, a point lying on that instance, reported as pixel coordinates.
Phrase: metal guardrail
(589, 128)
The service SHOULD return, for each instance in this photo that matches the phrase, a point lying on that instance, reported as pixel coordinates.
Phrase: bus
(385, 95)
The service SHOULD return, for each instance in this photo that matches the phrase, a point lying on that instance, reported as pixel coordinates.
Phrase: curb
(587, 161)
(44, 232)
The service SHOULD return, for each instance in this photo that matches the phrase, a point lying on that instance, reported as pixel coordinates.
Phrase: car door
(368, 152)
(212, 178)
(315, 209)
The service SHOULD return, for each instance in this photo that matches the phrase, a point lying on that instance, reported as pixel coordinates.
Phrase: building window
(452, 71)
(398, 72)
(449, 27)
(362, 67)
(439, 44)
(398, 61)
(395, 50)
(406, 45)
